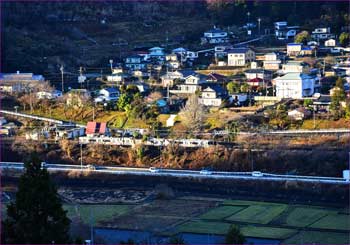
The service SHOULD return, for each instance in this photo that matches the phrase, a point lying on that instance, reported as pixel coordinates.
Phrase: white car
(91, 167)
(257, 174)
(43, 165)
(154, 170)
(205, 172)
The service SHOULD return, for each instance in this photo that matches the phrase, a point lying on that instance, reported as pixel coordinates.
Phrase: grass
(247, 203)
(98, 212)
(267, 232)
(221, 212)
(304, 216)
(202, 227)
(261, 214)
(325, 124)
(162, 118)
(316, 237)
(333, 222)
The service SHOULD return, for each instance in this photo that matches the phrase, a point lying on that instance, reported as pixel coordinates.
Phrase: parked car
(205, 172)
(154, 170)
(257, 174)
(91, 167)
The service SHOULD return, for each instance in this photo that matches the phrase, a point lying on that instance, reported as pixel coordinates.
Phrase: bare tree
(193, 114)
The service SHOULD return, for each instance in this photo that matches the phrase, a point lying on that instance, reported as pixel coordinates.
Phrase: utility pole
(81, 156)
(81, 75)
(259, 20)
(62, 69)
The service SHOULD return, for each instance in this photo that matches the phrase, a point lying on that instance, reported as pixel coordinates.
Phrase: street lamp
(62, 69)
(111, 62)
(81, 156)
(248, 14)
(259, 20)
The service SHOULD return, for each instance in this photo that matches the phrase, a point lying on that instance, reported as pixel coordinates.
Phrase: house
(296, 85)
(271, 62)
(212, 95)
(240, 56)
(77, 97)
(215, 35)
(192, 83)
(18, 82)
(299, 114)
(157, 53)
(321, 102)
(330, 43)
(283, 31)
(141, 86)
(216, 78)
(221, 51)
(169, 77)
(239, 98)
(259, 73)
(295, 66)
(256, 82)
(322, 33)
(135, 62)
(306, 50)
(172, 61)
(49, 94)
(107, 95)
(96, 128)
(117, 75)
(68, 133)
(170, 122)
(182, 53)
(294, 49)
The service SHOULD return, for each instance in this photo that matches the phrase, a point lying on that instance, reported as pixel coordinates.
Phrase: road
(180, 173)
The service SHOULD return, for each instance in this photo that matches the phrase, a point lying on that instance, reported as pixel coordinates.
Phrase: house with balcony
(259, 73)
(212, 95)
(295, 66)
(191, 84)
(135, 62)
(157, 53)
(215, 35)
(322, 33)
(240, 56)
(296, 85)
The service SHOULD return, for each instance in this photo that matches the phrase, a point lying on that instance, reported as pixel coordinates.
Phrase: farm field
(305, 216)
(221, 212)
(316, 237)
(334, 222)
(261, 214)
(217, 228)
(267, 232)
(96, 213)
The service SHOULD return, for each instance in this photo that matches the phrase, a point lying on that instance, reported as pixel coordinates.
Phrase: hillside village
(310, 76)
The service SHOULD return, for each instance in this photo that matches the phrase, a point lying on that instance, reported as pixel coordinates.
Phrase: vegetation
(193, 114)
(344, 39)
(334, 222)
(302, 217)
(337, 97)
(302, 37)
(201, 227)
(234, 236)
(267, 232)
(318, 237)
(37, 215)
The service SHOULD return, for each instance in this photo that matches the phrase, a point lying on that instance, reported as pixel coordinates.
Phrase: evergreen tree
(36, 216)
(234, 236)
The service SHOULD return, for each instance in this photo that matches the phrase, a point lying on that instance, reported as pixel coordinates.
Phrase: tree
(302, 37)
(123, 101)
(344, 39)
(234, 236)
(233, 87)
(36, 216)
(193, 114)
(338, 95)
(307, 102)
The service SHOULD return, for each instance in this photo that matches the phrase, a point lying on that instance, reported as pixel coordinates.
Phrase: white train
(129, 141)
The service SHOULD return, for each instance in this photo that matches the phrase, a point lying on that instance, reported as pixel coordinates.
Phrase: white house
(169, 77)
(295, 66)
(212, 96)
(135, 62)
(299, 114)
(295, 85)
(258, 73)
(240, 56)
(49, 94)
(294, 49)
(322, 33)
(283, 31)
(215, 36)
(108, 94)
(191, 84)
(330, 43)
(271, 62)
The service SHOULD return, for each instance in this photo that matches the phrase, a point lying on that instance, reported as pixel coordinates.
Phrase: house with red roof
(96, 128)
